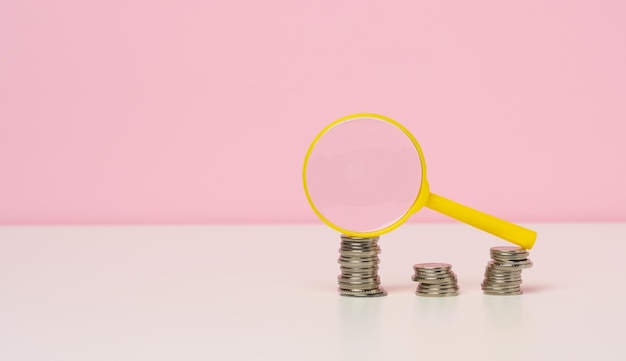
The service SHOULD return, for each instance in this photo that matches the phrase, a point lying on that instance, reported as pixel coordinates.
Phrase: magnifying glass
(364, 175)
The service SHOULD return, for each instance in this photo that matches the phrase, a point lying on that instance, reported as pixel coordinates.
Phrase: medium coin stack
(435, 280)
(503, 275)
(358, 261)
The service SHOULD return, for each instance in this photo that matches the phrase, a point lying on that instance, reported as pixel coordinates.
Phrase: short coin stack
(435, 280)
(503, 275)
(358, 260)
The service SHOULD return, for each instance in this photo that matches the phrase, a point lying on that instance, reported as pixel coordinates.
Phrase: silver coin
(368, 293)
(509, 256)
(348, 269)
(509, 262)
(358, 280)
(434, 280)
(359, 250)
(362, 286)
(359, 288)
(349, 237)
(357, 264)
(365, 281)
(346, 248)
(493, 253)
(525, 261)
(516, 279)
(437, 290)
(426, 286)
(372, 246)
(358, 275)
(346, 293)
(346, 277)
(508, 250)
(501, 283)
(434, 274)
(359, 253)
(437, 294)
(447, 290)
(501, 258)
(497, 293)
(432, 266)
(357, 240)
(437, 285)
(503, 277)
(492, 267)
(358, 258)
(358, 271)
(491, 292)
(507, 279)
(443, 288)
(360, 242)
(497, 266)
(506, 259)
(418, 278)
(430, 284)
(505, 266)
(500, 289)
(431, 270)
(424, 294)
(504, 271)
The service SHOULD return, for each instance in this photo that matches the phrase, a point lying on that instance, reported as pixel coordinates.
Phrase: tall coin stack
(358, 260)
(435, 280)
(503, 275)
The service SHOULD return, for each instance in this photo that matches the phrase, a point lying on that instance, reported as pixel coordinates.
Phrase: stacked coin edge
(358, 262)
(435, 280)
(503, 274)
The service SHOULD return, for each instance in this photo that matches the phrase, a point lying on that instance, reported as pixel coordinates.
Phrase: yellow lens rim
(422, 194)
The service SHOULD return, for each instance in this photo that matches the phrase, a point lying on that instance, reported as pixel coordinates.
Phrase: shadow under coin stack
(358, 260)
(435, 280)
(503, 275)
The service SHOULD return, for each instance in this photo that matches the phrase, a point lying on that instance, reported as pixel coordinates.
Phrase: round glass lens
(363, 174)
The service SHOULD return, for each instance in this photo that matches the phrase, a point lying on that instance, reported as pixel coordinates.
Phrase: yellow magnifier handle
(519, 235)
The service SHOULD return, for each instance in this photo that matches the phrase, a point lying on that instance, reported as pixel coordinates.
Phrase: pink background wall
(201, 111)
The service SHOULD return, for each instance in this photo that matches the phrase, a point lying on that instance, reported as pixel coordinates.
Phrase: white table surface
(269, 292)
